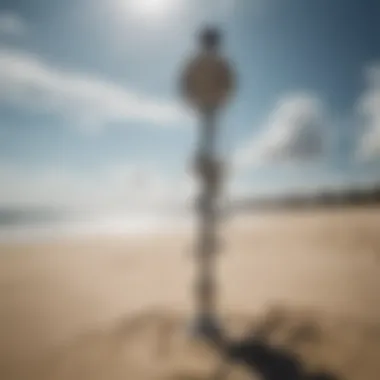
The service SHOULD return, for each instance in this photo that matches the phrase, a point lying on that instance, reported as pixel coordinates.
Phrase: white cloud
(11, 24)
(86, 101)
(134, 187)
(369, 108)
(294, 132)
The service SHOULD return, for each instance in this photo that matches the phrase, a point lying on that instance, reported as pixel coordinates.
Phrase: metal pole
(208, 170)
(206, 83)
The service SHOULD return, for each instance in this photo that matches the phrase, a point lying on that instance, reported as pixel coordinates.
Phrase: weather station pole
(207, 82)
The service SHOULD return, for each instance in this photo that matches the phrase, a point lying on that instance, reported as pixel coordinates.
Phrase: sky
(91, 115)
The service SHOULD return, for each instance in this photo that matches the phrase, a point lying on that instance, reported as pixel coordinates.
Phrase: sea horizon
(39, 225)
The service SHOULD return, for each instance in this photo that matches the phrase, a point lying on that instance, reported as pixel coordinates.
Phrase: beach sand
(118, 307)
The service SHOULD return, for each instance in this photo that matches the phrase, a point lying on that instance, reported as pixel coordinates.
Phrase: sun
(152, 8)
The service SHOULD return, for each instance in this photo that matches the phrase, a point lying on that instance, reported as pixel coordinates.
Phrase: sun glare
(152, 8)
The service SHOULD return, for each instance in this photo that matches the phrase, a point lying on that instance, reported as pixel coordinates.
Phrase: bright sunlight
(152, 9)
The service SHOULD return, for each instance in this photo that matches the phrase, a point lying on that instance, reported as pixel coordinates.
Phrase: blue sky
(90, 112)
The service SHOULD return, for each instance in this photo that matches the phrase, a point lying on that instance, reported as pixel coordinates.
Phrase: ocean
(31, 226)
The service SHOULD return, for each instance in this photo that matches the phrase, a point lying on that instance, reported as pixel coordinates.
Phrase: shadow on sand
(280, 345)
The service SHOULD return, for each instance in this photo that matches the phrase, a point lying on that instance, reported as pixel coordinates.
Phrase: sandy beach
(95, 308)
